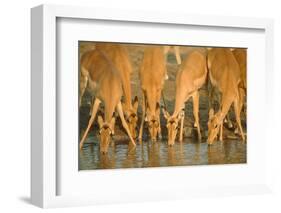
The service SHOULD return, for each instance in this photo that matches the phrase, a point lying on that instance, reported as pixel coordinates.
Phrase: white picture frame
(44, 154)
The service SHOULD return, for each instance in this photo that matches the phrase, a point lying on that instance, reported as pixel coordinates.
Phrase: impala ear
(211, 113)
(100, 121)
(165, 113)
(136, 103)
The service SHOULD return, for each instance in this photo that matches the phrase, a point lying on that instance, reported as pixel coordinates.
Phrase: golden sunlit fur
(190, 78)
(152, 76)
(241, 57)
(131, 116)
(106, 131)
(105, 83)
(119, 57)
(224, 74)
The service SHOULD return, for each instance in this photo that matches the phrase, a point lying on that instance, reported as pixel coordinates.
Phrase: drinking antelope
(105, 82)
(190, 78)
(118, 55)
(241, 57)
(152, 76)
(224, 74)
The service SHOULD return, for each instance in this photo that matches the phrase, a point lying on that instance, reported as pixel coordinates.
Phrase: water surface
(158, 154)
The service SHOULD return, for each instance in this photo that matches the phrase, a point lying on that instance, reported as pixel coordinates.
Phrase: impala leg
(92, 103)
(159, 130)
(143, 116)
(241, 99)
(196, 113)
(124, 123)
(177, 53)
(181, 127)
(221, 132)
(237, 115)
(228, 120)
(241, 103)
(94, 112)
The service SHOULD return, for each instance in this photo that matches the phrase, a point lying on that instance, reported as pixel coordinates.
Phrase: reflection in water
(156, 154)
(171, 161)
(228, 152)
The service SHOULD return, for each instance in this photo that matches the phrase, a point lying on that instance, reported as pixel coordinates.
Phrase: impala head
(153, 122)
(213, 126)
(132, 117)
(172, 127)
(106, 131)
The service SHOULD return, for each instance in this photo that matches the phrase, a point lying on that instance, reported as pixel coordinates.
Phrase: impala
(241, 57)
(105, 82)
(152, 76)
(224, 74)
(118, 55)
(190, 78)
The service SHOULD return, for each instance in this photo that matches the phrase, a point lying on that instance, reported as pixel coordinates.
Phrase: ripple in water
(158, 154)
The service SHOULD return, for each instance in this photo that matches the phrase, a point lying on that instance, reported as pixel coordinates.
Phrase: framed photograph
(129, 106)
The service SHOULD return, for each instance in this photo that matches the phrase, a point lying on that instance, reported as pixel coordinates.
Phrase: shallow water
(158, 154)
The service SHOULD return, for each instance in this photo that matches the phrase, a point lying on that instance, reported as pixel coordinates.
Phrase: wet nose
(103, 152)
(153, 139)
(209, 141)
(170, 144)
